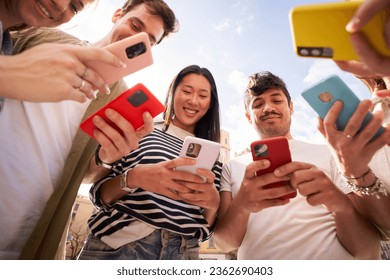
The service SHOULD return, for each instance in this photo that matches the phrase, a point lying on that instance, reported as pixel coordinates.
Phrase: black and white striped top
(156, 210)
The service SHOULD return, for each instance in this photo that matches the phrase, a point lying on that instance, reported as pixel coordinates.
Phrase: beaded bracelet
(377, 189)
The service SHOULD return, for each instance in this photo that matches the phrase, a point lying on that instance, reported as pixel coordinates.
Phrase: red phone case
(277, 151)
(135, 51)
(131, 104)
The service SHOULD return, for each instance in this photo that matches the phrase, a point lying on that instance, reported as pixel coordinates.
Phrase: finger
(172, 164)
(320, 127)
(109, 132)
(364, 13)
(356, 120)
(96, 81)
(330, 120)
(255, 166)
(382, 93)
(148, 125)
(369, 56)
(289, 168)
(98, 54)
(355, 67)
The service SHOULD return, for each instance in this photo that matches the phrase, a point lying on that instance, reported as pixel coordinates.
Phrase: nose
(268, 107)
(60, 5)
(193, 99)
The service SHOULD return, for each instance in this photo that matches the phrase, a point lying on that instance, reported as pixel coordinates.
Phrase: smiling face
(270, 114)
(39, 13)
(138, 19)
(192, 99)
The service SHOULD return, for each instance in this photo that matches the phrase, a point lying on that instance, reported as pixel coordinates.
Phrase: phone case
(277, 151)
(205, 152)
(318, 30)
(134, 51)
(131, 104)
(322, 96)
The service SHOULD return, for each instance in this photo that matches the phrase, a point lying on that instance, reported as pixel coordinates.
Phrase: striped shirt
(156, 210)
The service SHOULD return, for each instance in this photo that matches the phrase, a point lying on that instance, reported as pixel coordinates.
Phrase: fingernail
(122, 64)
(107, 89)
(94, 93)
(352, 25)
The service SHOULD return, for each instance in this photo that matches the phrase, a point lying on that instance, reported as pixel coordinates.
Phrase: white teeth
(44, 10)
(190, 111)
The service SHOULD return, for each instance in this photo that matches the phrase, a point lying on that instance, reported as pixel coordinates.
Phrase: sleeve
(226, 185)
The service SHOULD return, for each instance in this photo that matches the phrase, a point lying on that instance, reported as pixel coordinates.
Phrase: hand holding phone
(277, 151)
(325, 93)
(205, 152)
(134, 51)
(319, 30)
(131, 104)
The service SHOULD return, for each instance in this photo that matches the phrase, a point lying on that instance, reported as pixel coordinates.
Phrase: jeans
(159, 245)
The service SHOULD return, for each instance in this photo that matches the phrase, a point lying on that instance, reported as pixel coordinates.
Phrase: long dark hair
(208, 127)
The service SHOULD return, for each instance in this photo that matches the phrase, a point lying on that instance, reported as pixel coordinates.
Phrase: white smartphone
(205, 152)
(134, 51)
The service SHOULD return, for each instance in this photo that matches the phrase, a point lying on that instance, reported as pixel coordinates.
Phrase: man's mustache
(266, 115)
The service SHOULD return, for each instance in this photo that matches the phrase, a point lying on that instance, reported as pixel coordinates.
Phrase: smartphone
(322, 95)
(134, 51)
(318, 30)
(205, 152)
(277, 151)
(131, 104)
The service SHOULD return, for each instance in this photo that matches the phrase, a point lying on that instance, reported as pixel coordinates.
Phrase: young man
(320, 223)
(39, 136)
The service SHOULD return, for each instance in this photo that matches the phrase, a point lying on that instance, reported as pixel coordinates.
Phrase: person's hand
(252, 197)
(313, 183)
(54, 72)
(163, 178)
(352, 150)
(115, 144)
(203, 194)
(368, 55)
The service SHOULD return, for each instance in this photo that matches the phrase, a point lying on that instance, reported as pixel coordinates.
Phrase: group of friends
(146, 208)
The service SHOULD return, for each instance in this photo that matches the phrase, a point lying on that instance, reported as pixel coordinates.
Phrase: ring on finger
(349, 136)
(82, 84)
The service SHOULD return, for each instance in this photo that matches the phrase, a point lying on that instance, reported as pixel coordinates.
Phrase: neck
(287, 135)
(190, 129)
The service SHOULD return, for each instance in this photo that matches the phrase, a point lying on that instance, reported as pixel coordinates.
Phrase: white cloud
(238, 81)
(222, 25)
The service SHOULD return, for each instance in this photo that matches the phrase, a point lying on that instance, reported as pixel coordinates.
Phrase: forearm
(94, 172)
(357, 235)
(231, 227)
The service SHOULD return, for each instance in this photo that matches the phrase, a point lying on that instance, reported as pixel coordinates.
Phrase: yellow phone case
(318, 30)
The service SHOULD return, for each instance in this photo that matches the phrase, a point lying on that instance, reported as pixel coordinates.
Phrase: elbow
(224, 244)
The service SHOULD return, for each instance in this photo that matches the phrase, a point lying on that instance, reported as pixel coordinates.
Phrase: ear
(291, 108)
(117, 15)
(248, 117)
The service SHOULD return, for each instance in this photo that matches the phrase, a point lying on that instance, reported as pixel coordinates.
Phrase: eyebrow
(152, 39)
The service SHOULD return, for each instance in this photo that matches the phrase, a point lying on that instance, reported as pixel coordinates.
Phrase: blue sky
(233, 39)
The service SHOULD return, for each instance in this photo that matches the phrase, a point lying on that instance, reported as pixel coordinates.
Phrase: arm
(251, 198)
(354, 232)
(353, 156)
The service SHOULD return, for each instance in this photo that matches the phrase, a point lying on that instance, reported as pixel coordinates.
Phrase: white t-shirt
(296, 230)
(35, 140)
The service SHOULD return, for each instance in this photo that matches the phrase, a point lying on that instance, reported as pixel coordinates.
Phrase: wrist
(100, 162)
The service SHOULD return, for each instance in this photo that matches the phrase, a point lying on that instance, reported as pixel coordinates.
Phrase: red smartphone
(131, 104)
(134, 51)
(277, 151)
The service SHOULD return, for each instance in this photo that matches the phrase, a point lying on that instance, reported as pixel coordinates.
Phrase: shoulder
(29, 38)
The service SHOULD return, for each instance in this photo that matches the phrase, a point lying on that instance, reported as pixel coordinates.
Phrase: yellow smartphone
(318, 30)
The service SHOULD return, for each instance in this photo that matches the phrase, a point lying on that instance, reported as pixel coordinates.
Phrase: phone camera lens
(304, 52)
(136, 50)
